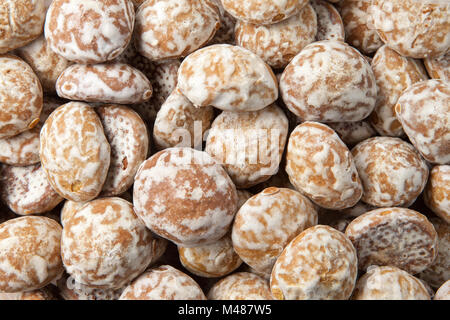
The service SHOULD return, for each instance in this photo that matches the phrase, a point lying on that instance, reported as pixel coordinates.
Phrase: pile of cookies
(224, 149)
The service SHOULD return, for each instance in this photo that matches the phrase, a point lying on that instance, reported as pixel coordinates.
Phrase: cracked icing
(329, 21)
(439, 67)
(241, 286)
(437, 192)
(352, 133)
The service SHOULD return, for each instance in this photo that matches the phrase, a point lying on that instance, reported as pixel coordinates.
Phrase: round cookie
(392, 172)
(21, 22)
(398, 237)
(185, 196)
(74, 152)
(352, 133)
(21, 96)
(127, 135)
(321, 166)
(358, 25)
(393, 73)
(438, 67)
(329, 81)
(319, 264)
(329, 21)
(105, 245)
(389, 283)
(45, 63)
(180, 124)
(424, 112)
(212, 260)
(44, 293)
(31, 254)
(163, 283)
(240, 286)
(69, 289)
(249, 145)
(413, 28)
(69, 209)
(227, 77)
(444, 292)
(171, 29)
(89, 31)
(437, 192)
(26, 190)
(277, 44)
(263, 11)
(276, 216)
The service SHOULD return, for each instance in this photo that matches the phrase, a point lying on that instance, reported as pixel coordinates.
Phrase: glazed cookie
(319, 264)
(389, 283)
(398, 237)
(277, 44)
(179, 124)
(329, 81)
(263, 11)
(212, 260)
(105, 245)
(329, 21)
(31, 255)
(358, 25)
(74, 152)
(163, 283)
(171, 29)
(39, 294)
(26, 190)
(46, 64)
(185, 196)
(69, 289)
(392, 172)
(413, 28)
(249, 145)
(106, 83)
(241, 286)
(393, 73)
(267, 222)
(444, 292)
(439, 67)
(21, 96)
(21, 22)
(227, 77)
(351, 133)
(225, 33)
(437, 192)
(423, 110)
(321, 167)
(69, 209)
(127, 135)
(89, 31)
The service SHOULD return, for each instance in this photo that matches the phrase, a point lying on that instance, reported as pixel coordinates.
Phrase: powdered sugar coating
(89, 31)
(30, 253)
(415, 29)
(437, 192)
(163, 283)
(127, 135)
(185, 196)
(319, 264)
(69, 289)
(444, 292)
(424, 112)
(212, 260)
(241, 286)
(74, 152)
(107, 83)
(263, 11)
(277, 44)
(352, 133)
(69, 209)
(329, 81)
(26, 190)
(438, 67)
(249, 145)
(227, 77)
(21, 21)
(171, 29)
(267, 222)
(329, 21)
(105, 245)
(46, 64)
(178, 121)
(397, 237)
(39, 294)
(393, 73)
(20, 96)
(389, 283)
(392, 172)
(320, 166)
